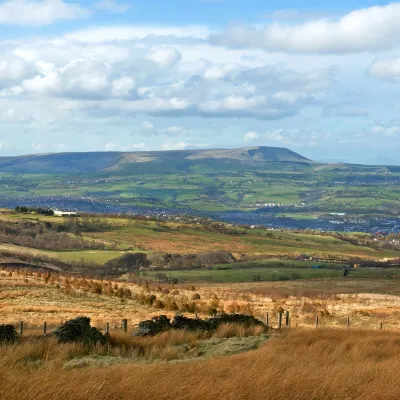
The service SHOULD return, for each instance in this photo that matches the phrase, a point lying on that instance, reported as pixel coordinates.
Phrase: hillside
(150, 162)
(277, 180)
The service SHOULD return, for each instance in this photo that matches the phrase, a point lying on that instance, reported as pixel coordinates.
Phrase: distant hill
(146, 162)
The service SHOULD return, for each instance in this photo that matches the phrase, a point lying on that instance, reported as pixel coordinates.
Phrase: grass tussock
(322, 364)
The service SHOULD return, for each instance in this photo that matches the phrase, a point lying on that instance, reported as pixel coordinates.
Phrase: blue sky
(321, 78)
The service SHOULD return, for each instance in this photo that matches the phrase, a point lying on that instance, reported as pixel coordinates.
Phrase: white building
(64, 213)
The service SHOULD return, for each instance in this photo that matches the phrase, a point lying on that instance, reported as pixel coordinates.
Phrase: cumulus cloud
(14, 69)
(123, 86)
(156, 82)
(39, 12)
(388, 69)
(250, 136)
(364, 30)
(79, 78)
(164, 56)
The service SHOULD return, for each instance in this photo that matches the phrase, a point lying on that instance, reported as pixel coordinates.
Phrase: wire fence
(273, 321)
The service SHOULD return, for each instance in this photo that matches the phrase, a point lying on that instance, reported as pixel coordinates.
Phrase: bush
(160, 324)
(153, 326)
(8, 334)
(79, 330)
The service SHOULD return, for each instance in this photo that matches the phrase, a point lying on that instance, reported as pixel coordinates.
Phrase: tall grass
(304, 365)
(159, 347)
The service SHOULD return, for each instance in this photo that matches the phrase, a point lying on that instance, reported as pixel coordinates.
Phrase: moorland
(337, 295)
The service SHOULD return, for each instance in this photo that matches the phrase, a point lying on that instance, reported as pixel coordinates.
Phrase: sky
(319, 77)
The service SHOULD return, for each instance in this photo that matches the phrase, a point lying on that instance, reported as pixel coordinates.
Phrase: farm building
(58, 213)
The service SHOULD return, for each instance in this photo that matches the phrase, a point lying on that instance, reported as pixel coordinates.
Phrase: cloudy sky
(322, 78)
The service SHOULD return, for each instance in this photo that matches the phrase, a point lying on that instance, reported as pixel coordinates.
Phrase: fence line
(272, 323)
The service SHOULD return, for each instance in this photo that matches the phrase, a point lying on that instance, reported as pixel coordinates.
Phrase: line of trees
(36, 210)
(45, 236)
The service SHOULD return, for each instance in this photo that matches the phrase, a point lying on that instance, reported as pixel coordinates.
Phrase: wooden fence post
(348, 322)
(267, 319)
(279, 320)
(287, 321)
(381, 325)
(21, 327)
(125, 325)
(44, 328)
(317, 321)
(107, 328)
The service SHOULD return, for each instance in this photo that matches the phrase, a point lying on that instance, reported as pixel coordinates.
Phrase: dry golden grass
(318, 365)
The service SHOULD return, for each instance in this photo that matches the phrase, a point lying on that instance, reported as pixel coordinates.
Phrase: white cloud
(134, 32)
(250, 136)
(123, 86)
(39, 12)
(14, 69)
(113, 6)
(386, 69)
(79, 78)
(370, 29)
(164, 56)
(215, 72)
(125, 80)
(168, 145)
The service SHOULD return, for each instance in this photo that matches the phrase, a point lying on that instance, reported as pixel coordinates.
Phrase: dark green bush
(79, 330)
(162, 323)
(8, 334)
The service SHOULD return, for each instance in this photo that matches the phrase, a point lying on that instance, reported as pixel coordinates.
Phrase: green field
(271, 274)
(246, 181)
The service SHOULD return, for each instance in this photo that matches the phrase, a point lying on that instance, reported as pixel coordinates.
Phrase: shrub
(153, 326)
(160, 324)
(79, 330)
(8, 334)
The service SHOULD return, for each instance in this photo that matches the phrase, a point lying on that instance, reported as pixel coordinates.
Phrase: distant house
(64, 213)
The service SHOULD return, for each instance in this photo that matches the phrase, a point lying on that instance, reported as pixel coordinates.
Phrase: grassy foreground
(321, 364)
